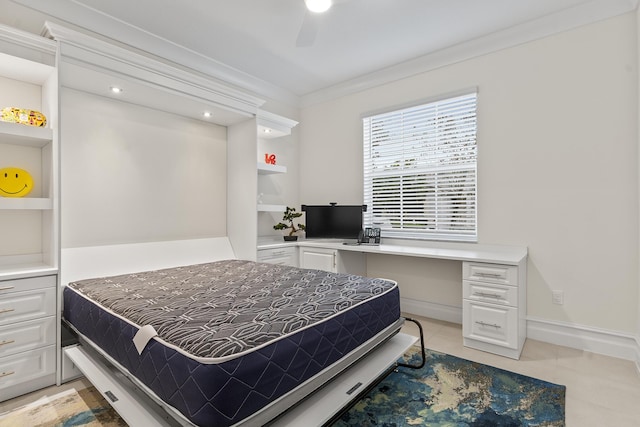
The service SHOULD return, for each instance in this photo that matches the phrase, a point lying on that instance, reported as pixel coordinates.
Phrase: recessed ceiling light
(318, 6)
(207, 114)
(267, 130)
(116, 89)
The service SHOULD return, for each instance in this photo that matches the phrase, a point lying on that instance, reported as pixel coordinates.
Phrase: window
(420, 170)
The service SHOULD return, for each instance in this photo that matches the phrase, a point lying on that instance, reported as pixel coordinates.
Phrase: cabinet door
(320, 259)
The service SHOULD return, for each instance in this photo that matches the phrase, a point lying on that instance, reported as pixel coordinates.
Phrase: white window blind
(420, 170)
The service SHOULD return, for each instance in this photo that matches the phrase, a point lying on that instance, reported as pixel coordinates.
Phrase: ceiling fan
(311, 21)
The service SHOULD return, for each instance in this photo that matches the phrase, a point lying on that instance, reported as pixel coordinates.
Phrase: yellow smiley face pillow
(15, 182)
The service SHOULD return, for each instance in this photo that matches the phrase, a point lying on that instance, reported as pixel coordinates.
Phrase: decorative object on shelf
(289, 215)
(15, 182)
(23, 116)
(270, 159)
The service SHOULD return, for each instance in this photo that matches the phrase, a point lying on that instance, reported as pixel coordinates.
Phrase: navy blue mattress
(257, 331)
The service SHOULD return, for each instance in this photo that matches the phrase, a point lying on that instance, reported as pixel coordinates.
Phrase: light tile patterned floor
(602, 391)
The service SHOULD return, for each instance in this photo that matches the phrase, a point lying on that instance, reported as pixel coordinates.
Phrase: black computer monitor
(333, 221)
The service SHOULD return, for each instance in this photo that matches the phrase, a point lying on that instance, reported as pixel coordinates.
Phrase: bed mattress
(232, 336)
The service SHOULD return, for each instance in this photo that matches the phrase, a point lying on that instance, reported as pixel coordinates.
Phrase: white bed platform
(136, 405)
(138, 409)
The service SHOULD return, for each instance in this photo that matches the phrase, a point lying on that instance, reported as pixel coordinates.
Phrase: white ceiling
(252, 43)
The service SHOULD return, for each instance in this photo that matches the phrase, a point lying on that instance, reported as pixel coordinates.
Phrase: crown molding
(27, 45)
(27, 40)
(271, 125)
(567, 19)
(90, 52)
(105, 25)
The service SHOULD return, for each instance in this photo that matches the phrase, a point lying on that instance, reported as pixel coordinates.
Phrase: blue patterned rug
(449, 391)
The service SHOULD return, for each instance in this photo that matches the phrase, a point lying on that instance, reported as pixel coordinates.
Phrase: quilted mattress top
(225, 309)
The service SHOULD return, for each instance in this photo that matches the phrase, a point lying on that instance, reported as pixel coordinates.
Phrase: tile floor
(601, 391)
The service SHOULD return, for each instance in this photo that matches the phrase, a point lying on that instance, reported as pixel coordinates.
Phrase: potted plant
(287, 222)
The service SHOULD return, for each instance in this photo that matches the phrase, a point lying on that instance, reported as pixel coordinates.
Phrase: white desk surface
(497, 254)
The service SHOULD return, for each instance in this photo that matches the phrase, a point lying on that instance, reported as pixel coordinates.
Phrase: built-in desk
(494, 287)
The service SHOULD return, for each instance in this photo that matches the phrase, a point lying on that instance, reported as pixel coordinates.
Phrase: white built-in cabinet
(494, 307)
(258, 191)
(29, 319)
(333, 260)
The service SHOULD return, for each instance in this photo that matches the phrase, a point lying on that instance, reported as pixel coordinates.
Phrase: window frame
(430, 167)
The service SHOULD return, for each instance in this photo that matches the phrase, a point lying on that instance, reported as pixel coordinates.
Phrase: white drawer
(21, 285)
(489, 292)
(492, 273)
(490, 323)
(22, 306)
(284, 256)
(25, 367)
(24, 336)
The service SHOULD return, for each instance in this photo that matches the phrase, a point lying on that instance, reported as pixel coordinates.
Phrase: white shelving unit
(257, 190)
(273, 132)
(29, 246)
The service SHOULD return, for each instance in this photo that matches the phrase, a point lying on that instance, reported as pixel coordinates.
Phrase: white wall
(132, 174)
(557, 168)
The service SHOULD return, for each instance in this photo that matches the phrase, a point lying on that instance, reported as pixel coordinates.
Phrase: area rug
(70, 408)
(449, 391)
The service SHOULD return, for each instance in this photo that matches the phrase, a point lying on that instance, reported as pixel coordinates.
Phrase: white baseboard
(601, 341)
(638, 353)
(431, 310)
(595, 340)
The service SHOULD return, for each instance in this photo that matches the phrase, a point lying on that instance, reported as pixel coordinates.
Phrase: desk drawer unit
(491, 273)
(490, 323)
(283, 256)
(494, 308)
(491, 293)
(27, 335)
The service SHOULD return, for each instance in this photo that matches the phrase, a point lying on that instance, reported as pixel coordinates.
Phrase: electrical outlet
(558, 297)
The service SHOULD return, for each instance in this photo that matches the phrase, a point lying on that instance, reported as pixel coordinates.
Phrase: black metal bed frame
(374, 384)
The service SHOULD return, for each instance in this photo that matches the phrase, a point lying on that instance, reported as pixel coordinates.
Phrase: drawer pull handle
(6, 288)
(7, 310)
(7, 342)
(6, 374)
(493, 275)
(486, 295)
(493, 325)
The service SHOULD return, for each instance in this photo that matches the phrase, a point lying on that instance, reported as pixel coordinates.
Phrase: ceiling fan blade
(308, 30)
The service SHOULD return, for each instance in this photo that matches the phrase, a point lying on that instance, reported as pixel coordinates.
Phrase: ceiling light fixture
(116, 89)
(318, 6)
(207, 114)
(267, 130)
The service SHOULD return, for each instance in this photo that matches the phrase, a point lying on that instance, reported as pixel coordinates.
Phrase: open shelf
(25, 203)
(18, 134)
(268, 169)
(271, 208)
(23, 268)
